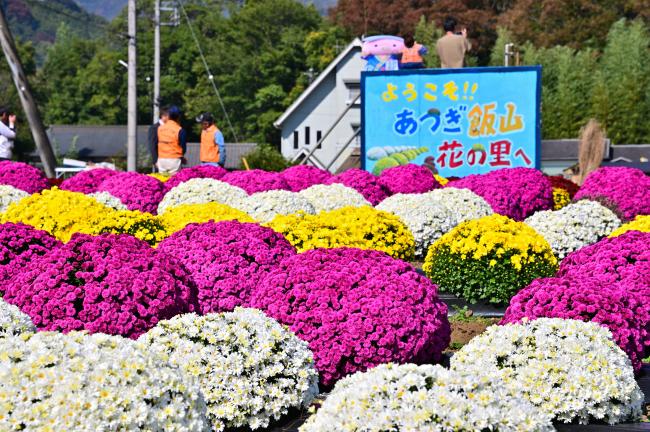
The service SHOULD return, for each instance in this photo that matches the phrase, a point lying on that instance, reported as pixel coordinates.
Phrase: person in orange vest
(213, 146)
(172, 143)
(411, 57)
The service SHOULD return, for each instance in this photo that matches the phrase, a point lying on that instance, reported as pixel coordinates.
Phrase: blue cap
(174, 111)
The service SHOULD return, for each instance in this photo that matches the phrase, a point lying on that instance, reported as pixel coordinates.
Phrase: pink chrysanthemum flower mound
(256, 180)
(363, 182)
(136, 191)
(114, 284)
(357, 309)
(22, 176)
(628, 189)
(227, 260)
(200, 171)
(513, 192)
(408, 179)
(88, 181)
(623, 311)
(301, 177)
(20, 245)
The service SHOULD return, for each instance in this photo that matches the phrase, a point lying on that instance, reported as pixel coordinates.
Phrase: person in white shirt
(7, 133)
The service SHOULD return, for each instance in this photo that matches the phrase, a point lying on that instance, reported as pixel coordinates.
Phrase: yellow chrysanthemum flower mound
(177, 218)
(162, 177)
(355, 227)
(61, 213)
(640, 223)
(143, 226)
(561, 198)
(489, 259)
(443, 181)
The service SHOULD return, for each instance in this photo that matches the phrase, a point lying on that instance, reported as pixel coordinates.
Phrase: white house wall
(320, 110)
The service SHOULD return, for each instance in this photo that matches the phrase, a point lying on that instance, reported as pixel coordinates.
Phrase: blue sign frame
(503, 92)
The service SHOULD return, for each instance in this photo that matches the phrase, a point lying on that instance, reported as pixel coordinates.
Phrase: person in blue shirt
(213, 146)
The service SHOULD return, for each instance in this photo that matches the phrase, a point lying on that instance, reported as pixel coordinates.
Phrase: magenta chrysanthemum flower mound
(200, 171)
(627, 188)
(624, 313)
(256, 180)
(88, 181)
(106, 284)
(611, 259)
(136, 191)
(513, 192)
(22, 176)
(364, 182)
(408, 179)
(20, 245)
(356, 309)
(227, 260)
(301, 177)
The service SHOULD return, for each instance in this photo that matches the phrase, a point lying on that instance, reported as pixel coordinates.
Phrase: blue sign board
(463, 121)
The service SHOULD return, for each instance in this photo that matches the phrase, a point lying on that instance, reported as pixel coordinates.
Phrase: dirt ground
(464, 328)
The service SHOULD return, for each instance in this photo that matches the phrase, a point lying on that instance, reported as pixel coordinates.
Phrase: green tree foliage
(504, 36)
(428, 33)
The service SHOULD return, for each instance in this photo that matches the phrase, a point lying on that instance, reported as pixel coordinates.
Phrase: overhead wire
(207, 69)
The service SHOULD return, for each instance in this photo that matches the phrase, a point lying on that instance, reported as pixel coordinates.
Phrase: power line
(207, 69)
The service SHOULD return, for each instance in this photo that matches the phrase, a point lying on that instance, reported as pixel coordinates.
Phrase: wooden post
(26, 98)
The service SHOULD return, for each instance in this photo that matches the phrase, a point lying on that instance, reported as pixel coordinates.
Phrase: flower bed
(356, 309)
(87, 181)
(640, 223)
(408, 179)
(202, 191)
(264, 206)
(200, 171)
(363, 182)
(250, 369)
(110, 284)
(136, 191)
(489, 259)
(227, 260)
(513, 192)
(13, 322)
(22, 176)
(20, 245)
(177, 218)
(623, 312)
(333, 197)
(571, 370)
(61, 213)
(575, 226)
(76, 382)
(256, 180)
(362, 227)
(10, 195)
(418, 398)
(561, 198)
(626, 188)
(559, 182)
(300, 177)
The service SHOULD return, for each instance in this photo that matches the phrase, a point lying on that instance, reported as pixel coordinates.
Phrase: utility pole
(26, 97)
(156, 62)
(132, 124)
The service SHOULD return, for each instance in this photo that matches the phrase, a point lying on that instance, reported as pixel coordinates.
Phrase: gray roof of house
(94, 142)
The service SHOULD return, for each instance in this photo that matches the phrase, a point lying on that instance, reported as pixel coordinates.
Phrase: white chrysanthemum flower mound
(428, 219)
(571, 370)
(577, 225)
(332, 197)
(10, 195)
(99, 383)
(250, 368)
(108, 200)
(202, 191)
(13, 321)
(264, 206)
(422, 398)
(462, 203)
